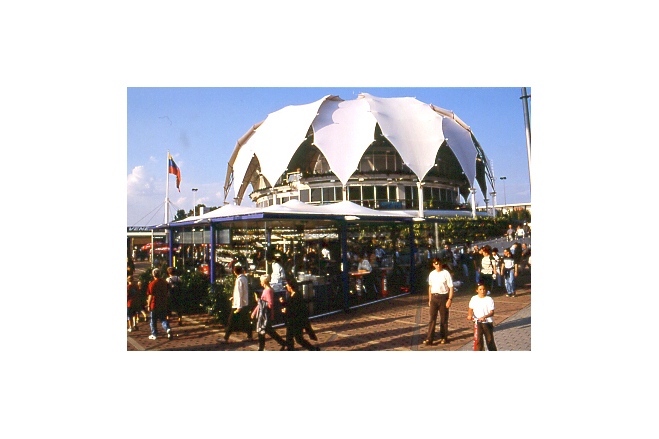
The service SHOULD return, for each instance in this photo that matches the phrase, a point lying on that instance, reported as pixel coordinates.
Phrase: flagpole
(167, 190)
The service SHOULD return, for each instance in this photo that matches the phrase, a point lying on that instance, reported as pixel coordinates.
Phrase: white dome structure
(382, 153)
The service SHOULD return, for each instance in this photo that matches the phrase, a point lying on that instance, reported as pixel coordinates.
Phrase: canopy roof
(343, 130)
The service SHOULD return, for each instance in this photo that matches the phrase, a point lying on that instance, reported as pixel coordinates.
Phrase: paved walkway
(399, 324)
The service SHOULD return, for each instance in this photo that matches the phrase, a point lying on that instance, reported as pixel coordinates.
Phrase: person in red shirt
(156, 302)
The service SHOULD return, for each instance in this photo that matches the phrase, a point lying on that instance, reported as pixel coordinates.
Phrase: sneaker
(130, 329)
(152, 337)
(169, 334)
(444, 341)
(427, 342)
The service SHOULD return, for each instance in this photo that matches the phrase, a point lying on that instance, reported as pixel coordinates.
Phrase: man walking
(156, 301)
(240, 313)
(440, 295)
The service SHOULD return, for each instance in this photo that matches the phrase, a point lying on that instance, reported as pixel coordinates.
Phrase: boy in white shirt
(481, 310)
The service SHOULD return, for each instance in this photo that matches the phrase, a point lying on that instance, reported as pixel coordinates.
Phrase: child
(481, 310)
(509, 272)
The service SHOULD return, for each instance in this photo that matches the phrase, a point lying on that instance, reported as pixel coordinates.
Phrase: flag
(173, 169)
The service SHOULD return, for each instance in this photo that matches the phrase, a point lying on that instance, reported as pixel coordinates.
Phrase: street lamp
(194, 205)
(194, 211)
(504, 189)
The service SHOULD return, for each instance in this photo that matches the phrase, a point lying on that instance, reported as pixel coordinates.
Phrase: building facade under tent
(337, 183)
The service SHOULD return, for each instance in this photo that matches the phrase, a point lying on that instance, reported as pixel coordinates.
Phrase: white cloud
(153, 159)
(139, 183)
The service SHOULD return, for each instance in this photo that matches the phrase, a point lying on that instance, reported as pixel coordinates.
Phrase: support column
(494, 203)
(419, 186)
(412, 255)
(170, 236)
(268, 237)
(473, 202)
(346, 267)
(211, 265)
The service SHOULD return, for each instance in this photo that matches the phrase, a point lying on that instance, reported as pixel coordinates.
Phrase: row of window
(368, 193)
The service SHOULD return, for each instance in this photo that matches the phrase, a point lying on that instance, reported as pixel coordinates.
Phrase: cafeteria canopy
(293, 210)
(343, 130)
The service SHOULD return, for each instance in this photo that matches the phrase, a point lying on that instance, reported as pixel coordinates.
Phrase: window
(381, 193)
(380, 162)
(304, 195)
(316, 195)
(354, 193)
(368, 193)
(366, 164)
(339, 193)
(392, 193)
(328, 194)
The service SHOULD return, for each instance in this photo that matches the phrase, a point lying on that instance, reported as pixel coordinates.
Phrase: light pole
(504, 189)
(194, 211)
(194, 207)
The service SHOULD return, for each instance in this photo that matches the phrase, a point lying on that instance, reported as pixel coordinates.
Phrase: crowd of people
(293, 308)
(483, 267)
(160, 299)
(489, 271)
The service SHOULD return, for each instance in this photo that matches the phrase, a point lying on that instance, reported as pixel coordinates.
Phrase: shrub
(218, 299)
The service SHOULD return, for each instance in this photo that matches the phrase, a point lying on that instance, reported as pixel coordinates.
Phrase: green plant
(218, 298)
(195, 288)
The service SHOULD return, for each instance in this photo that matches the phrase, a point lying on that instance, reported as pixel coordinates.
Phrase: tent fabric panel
(459, 140)
(412, 127)
(348, 124)
(280, 135)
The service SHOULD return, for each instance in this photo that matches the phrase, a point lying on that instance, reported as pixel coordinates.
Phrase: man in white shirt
(240, 313)
(481, 310)
(440, 296)
(278, 276)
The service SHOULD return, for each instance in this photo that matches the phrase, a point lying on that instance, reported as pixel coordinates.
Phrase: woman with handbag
(264, 314)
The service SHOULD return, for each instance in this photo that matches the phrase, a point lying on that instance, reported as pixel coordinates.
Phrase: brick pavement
(399, 324)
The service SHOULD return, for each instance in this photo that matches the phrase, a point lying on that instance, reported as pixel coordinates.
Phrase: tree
(180, 214)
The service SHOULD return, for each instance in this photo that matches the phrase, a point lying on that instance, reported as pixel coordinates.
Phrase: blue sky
(200, 127)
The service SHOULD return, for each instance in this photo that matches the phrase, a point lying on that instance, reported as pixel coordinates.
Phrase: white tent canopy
(275, 141)
(343, 130)
(349, 124)
(344, 208)
(224, 211)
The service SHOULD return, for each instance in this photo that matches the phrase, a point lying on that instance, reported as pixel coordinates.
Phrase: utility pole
(527, 123)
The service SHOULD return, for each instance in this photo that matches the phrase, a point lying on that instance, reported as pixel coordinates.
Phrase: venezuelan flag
(173, 169)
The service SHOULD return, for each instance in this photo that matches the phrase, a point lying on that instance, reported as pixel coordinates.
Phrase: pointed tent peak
(227, 210)
(275, 142)
(292, 206)
(346, 123)
(412, 127)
